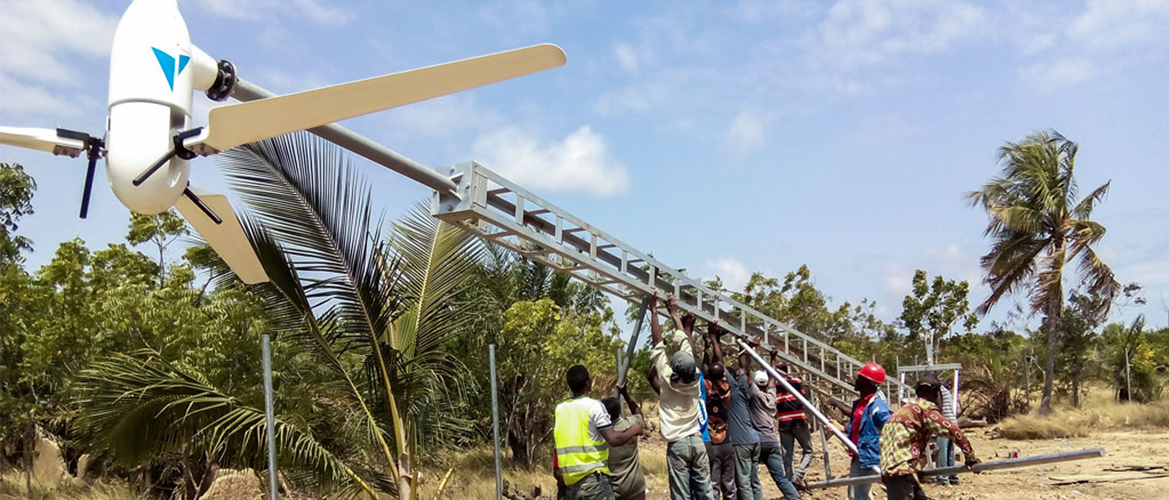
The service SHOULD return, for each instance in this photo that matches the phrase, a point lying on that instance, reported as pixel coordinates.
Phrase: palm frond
(1083, 209)
(319, 208)
(140, 405)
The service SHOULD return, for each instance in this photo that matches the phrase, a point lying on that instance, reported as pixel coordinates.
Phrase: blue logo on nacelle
(168, 64)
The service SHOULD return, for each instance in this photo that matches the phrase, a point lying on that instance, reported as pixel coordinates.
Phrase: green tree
(541, 324)
(161, 230)
(1133, 358)
(539, 341)
(1039, 224)
(16, 191)
(933, 309)
(1077, 334)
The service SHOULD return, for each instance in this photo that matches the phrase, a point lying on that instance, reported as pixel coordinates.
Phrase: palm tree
(1038, 226)
(341, 291)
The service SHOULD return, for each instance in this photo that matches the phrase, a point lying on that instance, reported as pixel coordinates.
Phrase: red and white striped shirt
(788, 409)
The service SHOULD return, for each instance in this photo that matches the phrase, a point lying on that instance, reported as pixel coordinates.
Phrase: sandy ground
(1124, 448)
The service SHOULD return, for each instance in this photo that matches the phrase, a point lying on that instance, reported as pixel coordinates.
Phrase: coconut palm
(1038, 225)
(375, 311)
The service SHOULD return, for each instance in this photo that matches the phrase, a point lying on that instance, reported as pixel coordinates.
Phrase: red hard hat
(873, 371)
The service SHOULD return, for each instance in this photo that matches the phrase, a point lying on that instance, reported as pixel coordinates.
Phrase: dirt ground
(1123, 448)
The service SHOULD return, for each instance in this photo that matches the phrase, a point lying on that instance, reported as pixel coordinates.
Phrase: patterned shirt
(907, 433)
(718, 401)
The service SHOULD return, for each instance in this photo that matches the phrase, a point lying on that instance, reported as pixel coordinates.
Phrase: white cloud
(1058, 72)
(627, 57)
(30, 100)
(516, 17)
(442, 117)
(1149, 273)
(39, 35)
(746, 133)
(579, 163)
(263, 10)
(733, 273)
(1102, 39)
(1109, 24)
(896, 281)
(866, 33)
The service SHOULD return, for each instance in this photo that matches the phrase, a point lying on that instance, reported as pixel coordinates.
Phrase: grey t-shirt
(763, 413)
(739, 427)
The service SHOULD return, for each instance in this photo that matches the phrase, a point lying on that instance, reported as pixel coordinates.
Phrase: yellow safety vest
(576, 452)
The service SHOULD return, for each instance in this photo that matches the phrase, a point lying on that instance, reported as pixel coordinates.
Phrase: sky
(724, 137)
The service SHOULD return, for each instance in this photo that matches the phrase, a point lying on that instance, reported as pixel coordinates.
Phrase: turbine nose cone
(140, 135)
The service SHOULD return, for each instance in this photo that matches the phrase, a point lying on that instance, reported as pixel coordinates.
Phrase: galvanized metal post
(623, 368)
(269, 413)
(1127, 374)
(982, 467)
(823, 443)
(495, 425)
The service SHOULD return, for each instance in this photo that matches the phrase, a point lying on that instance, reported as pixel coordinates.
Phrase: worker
(687, 464)
(717, 403)
(793, 427)
(906, 434)
(624, 462)
(763, 420)
(865, 422)
(744, 438)
(583, 435)
(945, 456)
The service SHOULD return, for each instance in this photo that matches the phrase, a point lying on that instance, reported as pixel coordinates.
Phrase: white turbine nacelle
(153, 71)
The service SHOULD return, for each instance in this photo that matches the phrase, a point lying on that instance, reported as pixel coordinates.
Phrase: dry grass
(1098, 411)
(12, 487)
(474, 475)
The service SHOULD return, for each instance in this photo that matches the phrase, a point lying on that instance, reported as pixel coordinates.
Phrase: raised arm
(745, 359)
(655, 329)
(672, 306)
(634, 408)
(652, 377)
(714, 332)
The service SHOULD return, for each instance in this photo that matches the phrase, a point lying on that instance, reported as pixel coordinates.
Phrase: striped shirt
(948, 405)
(788, 410)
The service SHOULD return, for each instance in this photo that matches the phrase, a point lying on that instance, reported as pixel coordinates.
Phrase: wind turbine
(148, 141)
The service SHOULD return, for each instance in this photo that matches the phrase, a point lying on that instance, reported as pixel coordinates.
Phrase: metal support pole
(982, 467)
(495, 425)
(623, 368)
(799, 397)
(269, 413)
(1127, 374)
(348, 139)
(957, 407)
(823, 445)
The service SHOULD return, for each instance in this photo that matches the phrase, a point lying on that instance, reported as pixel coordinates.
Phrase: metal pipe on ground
(799, 397)
(350, 140)
(982, 467)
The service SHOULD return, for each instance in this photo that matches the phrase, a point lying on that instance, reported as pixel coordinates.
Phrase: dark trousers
(722, 471)
(904, 487)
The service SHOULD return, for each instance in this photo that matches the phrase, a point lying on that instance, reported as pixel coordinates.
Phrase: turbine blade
(41, 139)
(226, 238)
(236, 124)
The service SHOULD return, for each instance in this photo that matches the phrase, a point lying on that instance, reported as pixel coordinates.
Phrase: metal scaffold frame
(502, 212)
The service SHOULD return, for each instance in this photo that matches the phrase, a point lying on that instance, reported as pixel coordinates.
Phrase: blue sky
(724, 137)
